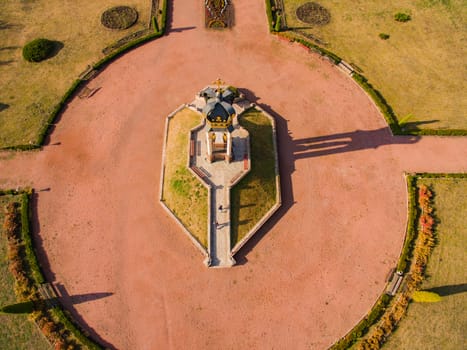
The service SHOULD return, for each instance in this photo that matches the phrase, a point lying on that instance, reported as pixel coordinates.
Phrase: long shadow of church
(291, 149)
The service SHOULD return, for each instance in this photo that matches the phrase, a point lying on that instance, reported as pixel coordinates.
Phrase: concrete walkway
(220, 176)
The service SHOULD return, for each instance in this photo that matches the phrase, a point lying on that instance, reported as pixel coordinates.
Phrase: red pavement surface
(305, 279)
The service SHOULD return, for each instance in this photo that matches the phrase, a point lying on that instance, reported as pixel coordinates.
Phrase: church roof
(218, 111)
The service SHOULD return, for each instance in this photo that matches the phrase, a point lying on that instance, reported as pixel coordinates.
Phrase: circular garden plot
(313, 13)
(119, 17)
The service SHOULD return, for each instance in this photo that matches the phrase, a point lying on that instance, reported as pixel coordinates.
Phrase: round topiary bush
(313, 13)
(38, 50)
(119, 17)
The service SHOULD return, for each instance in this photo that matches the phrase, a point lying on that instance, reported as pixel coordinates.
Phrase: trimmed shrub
(38, 50)
(402, 17)
(277, 25)
(384, 36)
(270, 15)
(422, 296)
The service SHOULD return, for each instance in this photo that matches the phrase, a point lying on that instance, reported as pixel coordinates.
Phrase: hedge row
(414, 214)
(364, 325)
(36, 272)
(438, 132)
(76, 330)
(412, 220)
(441, 175)
(163, 22)
(270, 15)
(380, 101)
(422, 248)
(77, 83)
(24, 266)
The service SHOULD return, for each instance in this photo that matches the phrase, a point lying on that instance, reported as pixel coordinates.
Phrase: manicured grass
(255, 194)
(16, 331)
(182, 192)
(419, 70)
(441, 325)
(29, 91)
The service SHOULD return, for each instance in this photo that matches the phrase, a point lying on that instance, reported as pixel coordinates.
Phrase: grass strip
(182, 192)
(255, 194)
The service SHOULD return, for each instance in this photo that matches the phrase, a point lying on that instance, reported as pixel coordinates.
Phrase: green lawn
(441, 325)
(16, 331)
(420, 69)
(182, 192)
(29, 91)
(255, 194)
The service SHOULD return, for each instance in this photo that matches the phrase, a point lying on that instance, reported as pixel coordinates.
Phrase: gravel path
(307, 277)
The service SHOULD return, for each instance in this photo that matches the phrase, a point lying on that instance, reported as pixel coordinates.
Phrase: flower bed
(218, 13)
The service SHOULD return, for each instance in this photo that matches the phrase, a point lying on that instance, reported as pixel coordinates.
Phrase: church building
(219, 115)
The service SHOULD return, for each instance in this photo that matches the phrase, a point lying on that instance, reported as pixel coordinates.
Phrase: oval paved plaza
(129, 273)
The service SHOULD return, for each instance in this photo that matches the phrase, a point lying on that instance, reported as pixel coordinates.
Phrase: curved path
(307, 278)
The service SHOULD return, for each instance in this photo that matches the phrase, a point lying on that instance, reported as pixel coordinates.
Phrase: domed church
(219, 115)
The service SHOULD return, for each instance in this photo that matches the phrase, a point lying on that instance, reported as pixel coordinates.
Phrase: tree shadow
(10, 48)
(449, 289)
(5, 25)
(290, 150)
(6, 63)
(3, 106)
(181, 29)
(414, 126)
(57, 47)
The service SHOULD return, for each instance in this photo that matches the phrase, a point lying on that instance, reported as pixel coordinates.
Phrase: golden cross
(218, 82)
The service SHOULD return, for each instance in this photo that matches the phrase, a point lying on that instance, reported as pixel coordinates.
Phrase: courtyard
(306, 278)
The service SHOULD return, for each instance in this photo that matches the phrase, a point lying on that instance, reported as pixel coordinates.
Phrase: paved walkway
(100, 228)
(220, 176)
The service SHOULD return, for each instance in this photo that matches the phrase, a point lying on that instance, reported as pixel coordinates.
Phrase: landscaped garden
(16, 331)
(255, 194)
(441, 325)
(182, 192)
(398, 46)
(418, 66)
(30, 91)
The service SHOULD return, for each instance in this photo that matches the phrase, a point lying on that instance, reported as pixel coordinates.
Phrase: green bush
(38, 50)
(384, 36)
(163, 24)
(277, 25)
(421, 296)
(402, 17)
(270, 15)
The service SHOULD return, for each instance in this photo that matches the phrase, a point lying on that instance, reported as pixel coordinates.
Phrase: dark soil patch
(119, 17)
(314, 14)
